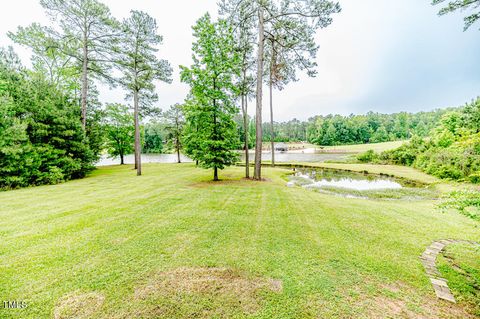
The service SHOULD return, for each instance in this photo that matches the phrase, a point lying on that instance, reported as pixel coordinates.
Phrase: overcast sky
(378, 55)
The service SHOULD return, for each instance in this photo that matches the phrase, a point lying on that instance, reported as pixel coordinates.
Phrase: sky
(377, 55)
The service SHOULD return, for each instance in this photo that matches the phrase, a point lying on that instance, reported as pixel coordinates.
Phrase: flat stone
(445, 296)
(432, 272)
(439, 282)
(428, 260)
(437, 246)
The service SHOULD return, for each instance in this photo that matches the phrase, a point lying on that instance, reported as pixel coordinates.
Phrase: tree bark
(245, 126)
(177, 138)
(121, 160)
(215, 174)
(258, 118)
(178, 154)
(272, 133)
(84, 85)
(138, 163)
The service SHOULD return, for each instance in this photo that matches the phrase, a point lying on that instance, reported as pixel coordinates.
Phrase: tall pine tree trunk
(84, 85)
(138, 161)
(258, 119)
(272, 133)
(215, 137)
(177, 138)
(245, 126)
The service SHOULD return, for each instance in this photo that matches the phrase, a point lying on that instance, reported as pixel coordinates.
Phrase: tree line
(451, 150)
(355, 129)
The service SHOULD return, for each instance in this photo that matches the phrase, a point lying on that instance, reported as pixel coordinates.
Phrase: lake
(280, 157)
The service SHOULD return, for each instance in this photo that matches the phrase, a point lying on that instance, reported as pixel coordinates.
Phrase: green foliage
(119, 130)
(355, 129)
(48, 57)
(211, 133)
(462, 5)
(452, 152)
(466, 202)
(154, 138)
(459, 264)
(174, 122)
(136, 57)
(474, 178)
(41, 137)
(368, 156)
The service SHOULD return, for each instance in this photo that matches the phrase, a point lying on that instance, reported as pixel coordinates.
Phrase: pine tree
(267, 15)
(140, 67)
(87, 33)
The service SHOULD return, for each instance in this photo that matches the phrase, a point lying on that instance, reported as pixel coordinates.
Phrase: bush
(367, 157)
(474, 178)
(466, 202)
(41, 137)
(453, 151)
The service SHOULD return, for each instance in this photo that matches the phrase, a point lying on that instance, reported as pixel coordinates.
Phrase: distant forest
(353, 129)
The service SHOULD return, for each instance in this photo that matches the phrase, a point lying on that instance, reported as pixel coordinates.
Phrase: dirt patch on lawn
(399, 300)
(223, 291)
(395, 300)
(78, 305)
(387, 307)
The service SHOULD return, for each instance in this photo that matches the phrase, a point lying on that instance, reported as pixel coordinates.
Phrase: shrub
(466, 202)
(474, 178)
(367, 157)
(41, 137)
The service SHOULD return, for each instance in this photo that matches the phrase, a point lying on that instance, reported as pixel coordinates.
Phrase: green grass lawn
(173, 244)
(360, 148)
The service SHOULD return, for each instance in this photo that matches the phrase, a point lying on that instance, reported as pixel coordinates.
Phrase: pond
(359, 185)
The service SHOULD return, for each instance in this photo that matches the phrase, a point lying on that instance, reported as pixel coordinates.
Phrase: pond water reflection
(360, 185)
(355, 181)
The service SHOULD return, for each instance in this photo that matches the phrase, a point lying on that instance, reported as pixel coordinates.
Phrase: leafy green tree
(471, 115)
(154, 137)
(421, 129)
(380, 135)
(174, 122)
(140, 67)
(330, 135)
(211, 131)
(462, 5)
(119, 131)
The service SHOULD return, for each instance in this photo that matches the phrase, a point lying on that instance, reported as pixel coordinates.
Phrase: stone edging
(429, 257)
